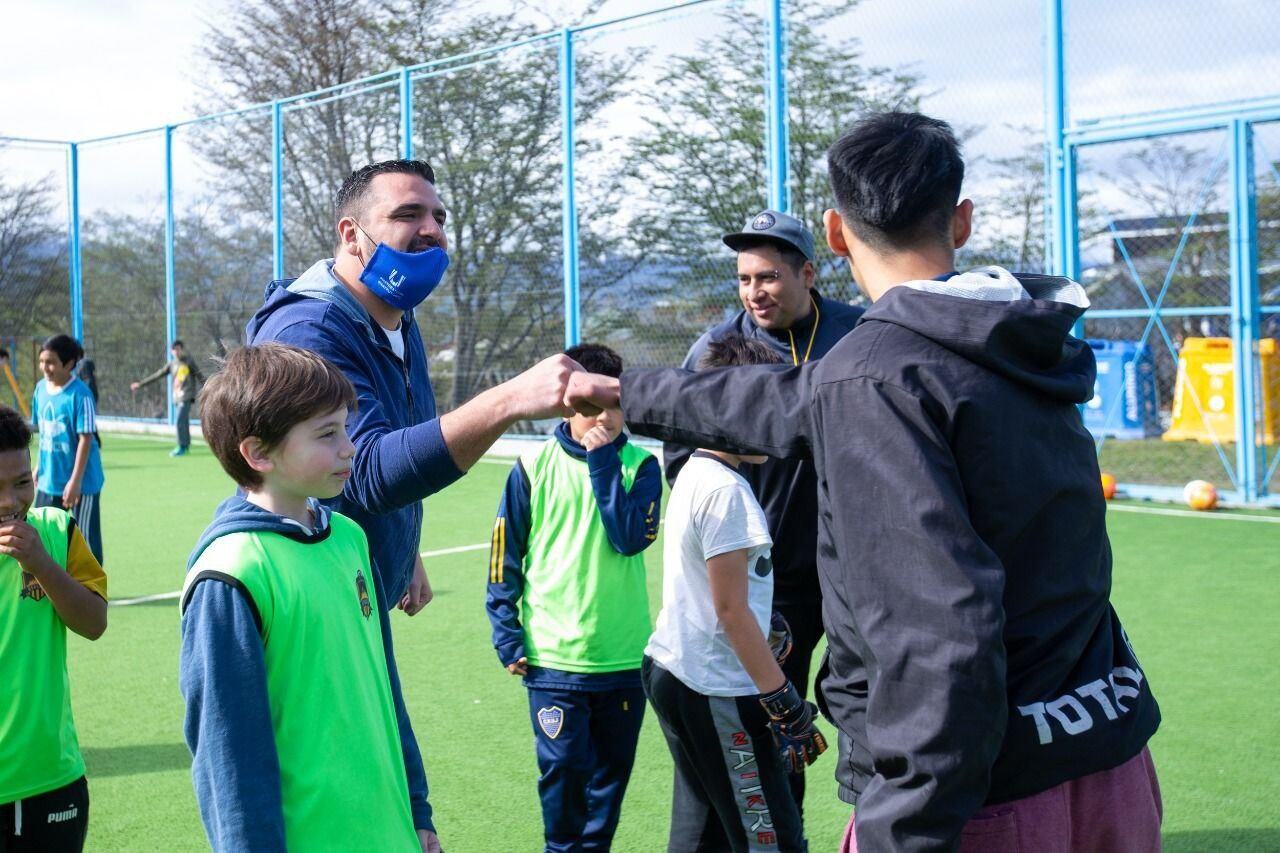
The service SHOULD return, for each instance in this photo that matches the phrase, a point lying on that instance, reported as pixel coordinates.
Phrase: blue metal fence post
(406, 114)
(776, 105)
(277, 188)
(1061, 240)
(74, 272)
(170, 285)
(568, 204)
(1060, 157)
(1244, 306)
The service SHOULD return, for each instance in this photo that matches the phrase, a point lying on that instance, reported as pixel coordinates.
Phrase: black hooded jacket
(974, 656)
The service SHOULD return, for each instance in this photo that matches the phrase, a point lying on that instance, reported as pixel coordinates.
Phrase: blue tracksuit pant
(586, 744)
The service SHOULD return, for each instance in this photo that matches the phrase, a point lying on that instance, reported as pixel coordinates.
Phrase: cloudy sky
(73, 69)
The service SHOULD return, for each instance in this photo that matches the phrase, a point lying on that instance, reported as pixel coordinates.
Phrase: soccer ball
(1200, 494)
(1108, 486)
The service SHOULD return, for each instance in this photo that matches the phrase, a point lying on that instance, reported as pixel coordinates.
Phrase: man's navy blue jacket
(786, 488)
(401, 456)
(973, 653)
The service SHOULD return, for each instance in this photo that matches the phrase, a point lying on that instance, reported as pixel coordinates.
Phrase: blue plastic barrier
(1126, 403)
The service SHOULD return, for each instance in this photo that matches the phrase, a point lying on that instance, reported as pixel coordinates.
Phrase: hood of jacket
(318, 282)
(1016, 325)
(237, 515)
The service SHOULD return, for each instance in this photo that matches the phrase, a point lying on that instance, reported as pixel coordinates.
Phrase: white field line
(482, 546)
(1191, 513)
(142, 436)
(170, 596)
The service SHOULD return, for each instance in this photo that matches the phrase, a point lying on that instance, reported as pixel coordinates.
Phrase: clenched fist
(539, 392)
(589, 393)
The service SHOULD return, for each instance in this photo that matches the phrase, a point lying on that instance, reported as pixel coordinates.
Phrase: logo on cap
(763, 222)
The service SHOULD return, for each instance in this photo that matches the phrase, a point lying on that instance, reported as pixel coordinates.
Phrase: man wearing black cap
(782, 308)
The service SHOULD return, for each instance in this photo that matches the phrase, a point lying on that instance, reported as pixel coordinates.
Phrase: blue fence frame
(1063, 140)
(1236, 118)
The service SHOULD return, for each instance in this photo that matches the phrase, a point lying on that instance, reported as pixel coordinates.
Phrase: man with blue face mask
(356, 310)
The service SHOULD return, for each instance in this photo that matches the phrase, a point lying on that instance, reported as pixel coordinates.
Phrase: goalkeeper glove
(779, 637)
(791, 721)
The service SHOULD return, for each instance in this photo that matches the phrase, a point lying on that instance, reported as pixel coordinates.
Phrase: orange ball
(1200, 494)
(1108, 486)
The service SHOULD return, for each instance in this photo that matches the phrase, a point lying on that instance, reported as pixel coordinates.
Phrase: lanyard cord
(817, 318)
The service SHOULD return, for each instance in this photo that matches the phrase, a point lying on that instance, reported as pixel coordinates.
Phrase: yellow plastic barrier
(1204, 395)
(17, 392)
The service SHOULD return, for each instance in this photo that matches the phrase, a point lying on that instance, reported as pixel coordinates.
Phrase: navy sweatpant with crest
(586, 744)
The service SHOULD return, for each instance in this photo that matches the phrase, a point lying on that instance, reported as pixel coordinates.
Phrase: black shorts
(53, 822)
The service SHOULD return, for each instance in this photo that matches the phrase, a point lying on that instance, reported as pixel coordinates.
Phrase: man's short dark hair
(263, 391)
(791, 256)
(15, 434)
(896, 178)
(737, 351)
(355, 189)
(177, 344)
(597, 358)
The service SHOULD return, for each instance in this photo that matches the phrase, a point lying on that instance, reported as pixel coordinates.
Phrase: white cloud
(72, 69)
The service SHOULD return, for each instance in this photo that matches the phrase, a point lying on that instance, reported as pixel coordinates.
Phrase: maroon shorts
(1114, 810)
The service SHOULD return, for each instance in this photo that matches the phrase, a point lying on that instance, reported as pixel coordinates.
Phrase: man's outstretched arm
(395, 467)
(472, 428)
(758, 409)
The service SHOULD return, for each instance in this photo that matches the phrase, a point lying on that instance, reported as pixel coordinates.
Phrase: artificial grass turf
(1198, 597)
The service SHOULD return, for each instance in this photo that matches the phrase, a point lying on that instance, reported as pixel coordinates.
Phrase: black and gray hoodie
(974, 656)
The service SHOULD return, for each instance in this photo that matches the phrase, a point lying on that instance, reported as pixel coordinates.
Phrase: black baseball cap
(772, 226)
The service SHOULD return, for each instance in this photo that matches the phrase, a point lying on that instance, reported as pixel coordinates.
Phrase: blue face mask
(403, 279)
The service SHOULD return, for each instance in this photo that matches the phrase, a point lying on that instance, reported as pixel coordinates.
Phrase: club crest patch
(362, 590)
(551, 721)
(763, 222)
(31, 588)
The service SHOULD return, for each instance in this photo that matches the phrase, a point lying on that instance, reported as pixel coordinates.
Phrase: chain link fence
(34, 300)
(1168, 246)
(670, 130)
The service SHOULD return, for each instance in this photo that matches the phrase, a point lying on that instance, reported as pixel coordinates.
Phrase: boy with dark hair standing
(289, 717)
(985, 691)
(570, 612)
(49, 581)
(710, 671)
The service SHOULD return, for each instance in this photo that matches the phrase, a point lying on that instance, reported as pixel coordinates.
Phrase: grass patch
(1198, 598)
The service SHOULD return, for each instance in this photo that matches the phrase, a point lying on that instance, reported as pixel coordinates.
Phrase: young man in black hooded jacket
(986, 694)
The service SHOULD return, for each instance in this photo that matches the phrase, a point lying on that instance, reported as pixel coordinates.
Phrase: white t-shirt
(395, 337)
(711, 511)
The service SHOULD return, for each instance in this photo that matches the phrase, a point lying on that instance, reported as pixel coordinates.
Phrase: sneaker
(178, 451)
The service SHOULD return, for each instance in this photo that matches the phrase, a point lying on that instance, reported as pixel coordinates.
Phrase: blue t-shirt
(62, 418)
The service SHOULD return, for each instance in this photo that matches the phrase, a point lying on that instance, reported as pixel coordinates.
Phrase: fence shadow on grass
(134, 760)
(1224, 840)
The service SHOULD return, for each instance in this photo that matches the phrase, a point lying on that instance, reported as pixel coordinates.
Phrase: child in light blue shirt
(69, 466)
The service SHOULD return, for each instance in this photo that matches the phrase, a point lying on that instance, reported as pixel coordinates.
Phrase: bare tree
(34, 297)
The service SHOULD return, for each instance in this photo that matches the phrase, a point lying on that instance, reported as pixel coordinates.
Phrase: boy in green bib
(570, 611)
(289, 714)
(49, 582)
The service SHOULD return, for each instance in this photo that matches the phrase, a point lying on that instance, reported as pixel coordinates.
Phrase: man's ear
(348, 235)
(255, 454)
(833, 223)
(962, 223)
